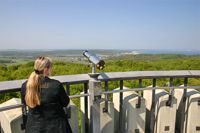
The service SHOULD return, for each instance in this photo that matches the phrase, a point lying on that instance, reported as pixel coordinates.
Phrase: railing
(68, 80)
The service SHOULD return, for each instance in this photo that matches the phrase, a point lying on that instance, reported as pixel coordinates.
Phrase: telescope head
(95, 60)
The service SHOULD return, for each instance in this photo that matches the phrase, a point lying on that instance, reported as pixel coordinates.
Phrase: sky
(100, 24)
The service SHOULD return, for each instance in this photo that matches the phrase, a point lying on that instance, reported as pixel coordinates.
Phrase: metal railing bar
(9, 90)
(110, 92)
(153, 107)
(79, 95)
(177, 87)
(185, 89)
(107, 97)
(120, 105)
(76, 82)
(183, 117)
(171, 93)
(68, 114)
(86, 108)
(149, 88)
(5, 108)
(139, 94)
(20, 105)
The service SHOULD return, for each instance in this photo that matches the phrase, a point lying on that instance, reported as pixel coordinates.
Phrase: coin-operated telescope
(95, 61)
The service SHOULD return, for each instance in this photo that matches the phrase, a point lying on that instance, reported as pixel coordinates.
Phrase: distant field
(75, 56)
(153, 57)
(22, 56)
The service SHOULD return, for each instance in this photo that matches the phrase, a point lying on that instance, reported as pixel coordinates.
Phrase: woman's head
(43, 65)
(42, 68)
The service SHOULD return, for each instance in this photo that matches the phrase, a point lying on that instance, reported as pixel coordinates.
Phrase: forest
(118, 64)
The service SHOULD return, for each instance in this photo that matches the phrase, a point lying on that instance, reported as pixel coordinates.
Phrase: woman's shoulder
(54, 84)
(53, 81)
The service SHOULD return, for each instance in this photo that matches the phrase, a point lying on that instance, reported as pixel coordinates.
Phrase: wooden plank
(6, 86)
(195, 73)
(147, 74)
(72, 78)
(15, 85)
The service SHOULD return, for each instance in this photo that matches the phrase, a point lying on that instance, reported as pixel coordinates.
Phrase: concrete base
(103, 122)
(133, 118)
(188, 112)
(165, 116)
(11, 120)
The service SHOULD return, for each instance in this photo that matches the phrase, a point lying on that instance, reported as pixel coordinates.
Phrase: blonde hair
(34, 83)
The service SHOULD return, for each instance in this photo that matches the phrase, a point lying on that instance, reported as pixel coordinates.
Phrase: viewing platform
(142, 109)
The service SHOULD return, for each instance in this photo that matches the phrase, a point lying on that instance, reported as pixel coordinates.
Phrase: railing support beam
(94, 95)
(153, 107)
(86, 108)
(171, 93)
(121, 105)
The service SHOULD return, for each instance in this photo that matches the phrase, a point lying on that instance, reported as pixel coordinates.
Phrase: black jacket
(49, 117)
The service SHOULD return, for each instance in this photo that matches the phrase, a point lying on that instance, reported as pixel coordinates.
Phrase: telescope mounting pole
(93, 68)
(94, 95)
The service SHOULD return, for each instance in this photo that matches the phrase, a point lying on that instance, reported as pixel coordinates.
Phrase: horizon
(98, 49)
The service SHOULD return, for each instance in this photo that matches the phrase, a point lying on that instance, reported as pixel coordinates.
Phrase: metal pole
(93, 68)
(185, 115)
(107, 98)
(68, 115)
(139, 94)
(86, 108)
(121, 105)
(185, 89)
(171, 93)
(153, 107)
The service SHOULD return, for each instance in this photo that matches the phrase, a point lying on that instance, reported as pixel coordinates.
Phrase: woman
(45, 98)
